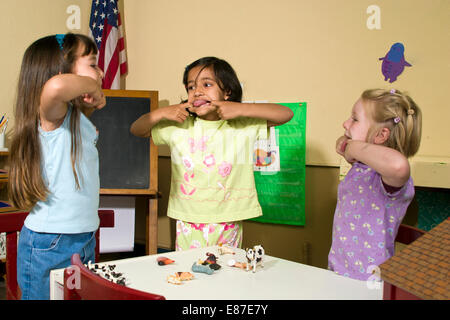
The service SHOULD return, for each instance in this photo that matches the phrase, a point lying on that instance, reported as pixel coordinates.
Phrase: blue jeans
(38, 253)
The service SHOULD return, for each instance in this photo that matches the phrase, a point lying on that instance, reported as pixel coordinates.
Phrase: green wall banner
(279, 169)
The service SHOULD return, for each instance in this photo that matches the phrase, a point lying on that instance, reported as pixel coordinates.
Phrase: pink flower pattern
(186, 192)
(228, 226)
(209, 161)
(188, 163)
(188, 176)
(200, 144)
(225, 169)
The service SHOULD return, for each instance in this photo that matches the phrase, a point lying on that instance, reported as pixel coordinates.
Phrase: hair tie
(392, 91)
(410, 111)
(60, 39)
(396, 120)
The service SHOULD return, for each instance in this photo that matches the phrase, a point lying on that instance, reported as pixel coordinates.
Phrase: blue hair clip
(60, 39)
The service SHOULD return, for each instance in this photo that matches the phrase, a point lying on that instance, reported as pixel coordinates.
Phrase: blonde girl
(383, 131)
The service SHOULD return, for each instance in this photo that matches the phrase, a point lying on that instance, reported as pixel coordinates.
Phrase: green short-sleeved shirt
(212, 168)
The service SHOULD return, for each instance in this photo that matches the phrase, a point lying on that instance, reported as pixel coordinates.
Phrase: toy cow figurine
(255, 257)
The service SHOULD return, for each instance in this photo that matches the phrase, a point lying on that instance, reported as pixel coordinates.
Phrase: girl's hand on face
(95, 100)
(227, 110)
(341, 144)
(348, 148)
(177, 112)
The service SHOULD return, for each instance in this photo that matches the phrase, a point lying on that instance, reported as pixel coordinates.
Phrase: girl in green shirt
(211, 137)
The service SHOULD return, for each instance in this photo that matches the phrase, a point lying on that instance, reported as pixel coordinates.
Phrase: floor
(139, 250)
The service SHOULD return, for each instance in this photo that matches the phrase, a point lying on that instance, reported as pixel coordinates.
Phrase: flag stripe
(110, 47)
(111, 59)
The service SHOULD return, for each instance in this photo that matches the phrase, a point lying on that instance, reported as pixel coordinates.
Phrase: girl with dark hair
(212, 186)
(53, 160)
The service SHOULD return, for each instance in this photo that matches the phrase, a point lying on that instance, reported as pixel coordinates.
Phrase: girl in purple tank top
(382, 132)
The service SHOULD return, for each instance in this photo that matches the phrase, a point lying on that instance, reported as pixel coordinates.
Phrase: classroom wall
(320, 52)
(22, 23)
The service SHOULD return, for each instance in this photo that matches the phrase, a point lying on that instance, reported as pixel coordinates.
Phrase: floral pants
(199, 235)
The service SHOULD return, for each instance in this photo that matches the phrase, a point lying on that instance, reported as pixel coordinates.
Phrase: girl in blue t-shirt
(211, 192)
(53, 158)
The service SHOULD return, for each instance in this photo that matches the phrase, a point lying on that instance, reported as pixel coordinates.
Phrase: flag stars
(105, 17)
(103, 10)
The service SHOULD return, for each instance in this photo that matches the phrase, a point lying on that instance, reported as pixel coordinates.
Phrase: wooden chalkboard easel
(129, 164)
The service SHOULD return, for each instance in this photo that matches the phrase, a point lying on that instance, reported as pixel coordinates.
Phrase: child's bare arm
(275, 114)
(389, 163)
(63, 88)
(142, 127)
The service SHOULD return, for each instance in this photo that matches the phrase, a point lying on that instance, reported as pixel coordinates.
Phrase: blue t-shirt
(68, 209)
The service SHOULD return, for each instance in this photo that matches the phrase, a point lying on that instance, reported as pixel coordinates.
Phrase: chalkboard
(128, 164)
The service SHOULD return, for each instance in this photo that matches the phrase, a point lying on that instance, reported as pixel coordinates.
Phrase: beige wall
(320, 52)
(22, 23)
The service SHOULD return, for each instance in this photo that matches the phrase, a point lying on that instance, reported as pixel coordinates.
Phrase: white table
(279, 279)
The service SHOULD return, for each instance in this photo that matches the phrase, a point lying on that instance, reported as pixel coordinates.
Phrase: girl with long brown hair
(53, 159)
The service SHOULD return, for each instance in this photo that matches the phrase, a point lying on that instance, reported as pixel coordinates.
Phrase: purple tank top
(366, 222)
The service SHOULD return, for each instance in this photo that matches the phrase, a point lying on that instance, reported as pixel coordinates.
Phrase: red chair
(406, 235)
(93, 287)
(11, 222)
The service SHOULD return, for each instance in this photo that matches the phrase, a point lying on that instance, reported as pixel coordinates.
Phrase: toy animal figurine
(211, 258)
(237, 264)
(202, 269)
(184, 276)
(255, 257)
(224, 249)
(173, 279)
(162, 261)
(211, 261)
(178, 277)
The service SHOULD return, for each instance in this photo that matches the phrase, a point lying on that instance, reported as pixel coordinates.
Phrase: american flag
(106, 30)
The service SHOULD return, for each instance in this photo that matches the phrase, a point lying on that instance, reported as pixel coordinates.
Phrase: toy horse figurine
(255, 257)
